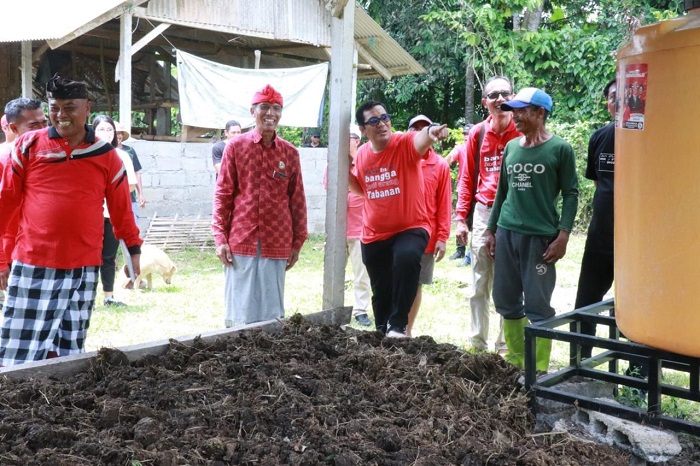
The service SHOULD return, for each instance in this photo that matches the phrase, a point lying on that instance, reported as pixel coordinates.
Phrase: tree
(567, 48)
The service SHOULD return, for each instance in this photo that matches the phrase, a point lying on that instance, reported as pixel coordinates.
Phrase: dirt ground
(308, 395)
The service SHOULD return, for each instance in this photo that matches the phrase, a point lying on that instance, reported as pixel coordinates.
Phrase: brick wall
(178, 178)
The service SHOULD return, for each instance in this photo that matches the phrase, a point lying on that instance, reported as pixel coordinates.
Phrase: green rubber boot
(514, 334)
(544, 349)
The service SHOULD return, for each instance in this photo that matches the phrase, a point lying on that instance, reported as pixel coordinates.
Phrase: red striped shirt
(58, 193)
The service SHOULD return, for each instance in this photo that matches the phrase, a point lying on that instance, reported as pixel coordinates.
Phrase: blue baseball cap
(529, 96)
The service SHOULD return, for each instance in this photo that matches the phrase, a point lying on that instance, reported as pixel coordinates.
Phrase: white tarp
(212, 93)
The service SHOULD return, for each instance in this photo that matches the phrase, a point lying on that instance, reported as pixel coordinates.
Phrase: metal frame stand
(615, 350)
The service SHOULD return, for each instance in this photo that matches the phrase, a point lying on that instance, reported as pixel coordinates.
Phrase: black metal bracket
(567, 328)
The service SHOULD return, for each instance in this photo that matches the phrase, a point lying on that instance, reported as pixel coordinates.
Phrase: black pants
(110, 246)
(597, 274)
(596, 278)
(461, 247)
(393, 266)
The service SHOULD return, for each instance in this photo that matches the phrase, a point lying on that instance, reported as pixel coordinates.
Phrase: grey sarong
(254, 290)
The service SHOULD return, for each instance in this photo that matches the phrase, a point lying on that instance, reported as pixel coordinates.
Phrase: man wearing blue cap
(526, 235)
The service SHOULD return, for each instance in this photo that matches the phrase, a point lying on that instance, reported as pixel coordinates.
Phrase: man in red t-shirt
(58, 246)
(396, 227)
(498, 129)
(438, 203)
(22, 115)
(259, 218)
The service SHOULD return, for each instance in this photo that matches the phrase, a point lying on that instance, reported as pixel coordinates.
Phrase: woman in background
(106, 130)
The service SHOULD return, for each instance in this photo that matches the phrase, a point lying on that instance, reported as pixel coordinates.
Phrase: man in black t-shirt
(232, 129)
(597, 266)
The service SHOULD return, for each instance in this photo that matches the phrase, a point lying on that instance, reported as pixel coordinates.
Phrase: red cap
(267, 94)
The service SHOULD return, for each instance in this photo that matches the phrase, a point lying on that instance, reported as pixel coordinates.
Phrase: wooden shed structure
(89, 40)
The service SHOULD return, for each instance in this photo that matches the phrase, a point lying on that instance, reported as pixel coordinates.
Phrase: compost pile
(307, 395)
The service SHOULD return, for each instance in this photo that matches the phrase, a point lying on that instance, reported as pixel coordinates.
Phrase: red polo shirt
(491, 155)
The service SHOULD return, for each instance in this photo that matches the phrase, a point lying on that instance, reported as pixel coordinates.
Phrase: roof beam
(142, 42)
(367, 56)
(125, 7)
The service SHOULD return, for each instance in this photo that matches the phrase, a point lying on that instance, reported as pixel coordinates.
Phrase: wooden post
(125, 42)
(163, 113)
(27, 69)
(342, 40)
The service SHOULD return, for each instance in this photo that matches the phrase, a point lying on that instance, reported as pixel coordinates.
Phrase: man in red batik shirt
(259, 218)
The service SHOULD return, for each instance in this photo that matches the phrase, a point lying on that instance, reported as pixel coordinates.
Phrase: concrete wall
(178, 178)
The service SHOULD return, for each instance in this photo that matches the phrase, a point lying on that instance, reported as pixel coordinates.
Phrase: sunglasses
(494, 95)
(374, 121)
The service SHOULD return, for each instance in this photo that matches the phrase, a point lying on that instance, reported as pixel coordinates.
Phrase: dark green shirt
(529, 186)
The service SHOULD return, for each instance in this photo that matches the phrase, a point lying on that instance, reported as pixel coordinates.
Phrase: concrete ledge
(652, 444)
(68, 366)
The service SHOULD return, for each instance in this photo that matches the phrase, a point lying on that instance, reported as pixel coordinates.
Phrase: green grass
(194, 303)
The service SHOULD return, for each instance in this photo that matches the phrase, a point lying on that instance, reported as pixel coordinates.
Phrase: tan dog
(153, 260)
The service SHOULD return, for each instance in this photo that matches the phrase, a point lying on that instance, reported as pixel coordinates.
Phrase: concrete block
(202, 179)
(153, 196)
(198, 164)
(171, 170)
(201, 194)
(169, 164)
(576, 386)
(173, 180)
(652, 444)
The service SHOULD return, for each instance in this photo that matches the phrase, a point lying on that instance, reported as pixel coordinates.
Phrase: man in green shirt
(526, 234)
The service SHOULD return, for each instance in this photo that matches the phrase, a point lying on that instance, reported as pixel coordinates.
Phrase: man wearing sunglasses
(476, 191)
(396, 227)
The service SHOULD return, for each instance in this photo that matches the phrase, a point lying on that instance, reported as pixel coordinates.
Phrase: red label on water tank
(631, 96)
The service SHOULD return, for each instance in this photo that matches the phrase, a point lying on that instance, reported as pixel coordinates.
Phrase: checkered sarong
(46, 310)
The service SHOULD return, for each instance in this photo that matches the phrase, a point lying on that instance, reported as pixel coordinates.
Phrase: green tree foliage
(571, 54)
(439, 93)
(567, 48)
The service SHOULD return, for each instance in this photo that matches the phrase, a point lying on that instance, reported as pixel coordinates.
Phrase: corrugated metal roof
(284, 28)
(300, 21)
(46, 20)
(382, 46)
(293, 21)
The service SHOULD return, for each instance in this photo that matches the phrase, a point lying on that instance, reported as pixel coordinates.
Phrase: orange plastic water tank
(657, 186)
